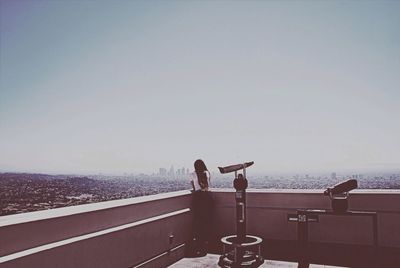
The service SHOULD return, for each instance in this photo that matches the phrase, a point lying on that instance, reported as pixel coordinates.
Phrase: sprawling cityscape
(25, 192)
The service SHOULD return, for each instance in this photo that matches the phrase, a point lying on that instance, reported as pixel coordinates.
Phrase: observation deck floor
(211, 260)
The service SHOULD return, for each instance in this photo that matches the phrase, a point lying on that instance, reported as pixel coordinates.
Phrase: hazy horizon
(115, 87)
(214, 169)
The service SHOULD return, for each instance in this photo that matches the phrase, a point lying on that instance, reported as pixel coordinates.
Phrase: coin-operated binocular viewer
(240, 250)
(339, 194)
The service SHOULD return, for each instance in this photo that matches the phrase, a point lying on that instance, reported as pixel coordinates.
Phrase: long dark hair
(201, 172)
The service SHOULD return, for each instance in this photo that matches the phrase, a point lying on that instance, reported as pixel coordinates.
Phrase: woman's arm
(192, 182)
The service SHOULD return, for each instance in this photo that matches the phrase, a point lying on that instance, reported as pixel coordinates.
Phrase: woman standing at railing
(202, 205)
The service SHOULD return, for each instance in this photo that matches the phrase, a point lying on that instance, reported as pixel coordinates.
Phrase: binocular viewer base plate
(237, 253)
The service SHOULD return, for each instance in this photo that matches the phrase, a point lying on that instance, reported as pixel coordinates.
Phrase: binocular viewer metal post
(240, 250)
(339, 194)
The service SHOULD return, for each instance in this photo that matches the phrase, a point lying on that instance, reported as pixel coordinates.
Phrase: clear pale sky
(131, 86)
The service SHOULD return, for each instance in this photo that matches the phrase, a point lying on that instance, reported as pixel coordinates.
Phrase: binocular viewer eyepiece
(236, 167)
(341, 188)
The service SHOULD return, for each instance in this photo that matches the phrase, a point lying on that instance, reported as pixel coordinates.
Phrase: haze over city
(132, 86)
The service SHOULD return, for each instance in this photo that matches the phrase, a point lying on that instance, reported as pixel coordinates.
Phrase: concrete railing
(121, 233)
(151, 231)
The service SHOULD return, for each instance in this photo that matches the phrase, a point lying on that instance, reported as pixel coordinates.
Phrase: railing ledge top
(72, 210)
(307, 191)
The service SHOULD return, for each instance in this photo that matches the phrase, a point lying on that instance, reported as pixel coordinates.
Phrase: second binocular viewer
(339, 194)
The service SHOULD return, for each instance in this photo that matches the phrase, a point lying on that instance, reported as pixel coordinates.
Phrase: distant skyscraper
(183, 171)
(162, 172)
(333, 176)
(172, 172)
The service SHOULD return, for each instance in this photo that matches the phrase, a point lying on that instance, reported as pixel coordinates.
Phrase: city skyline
(116, 86)
(163, 172)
